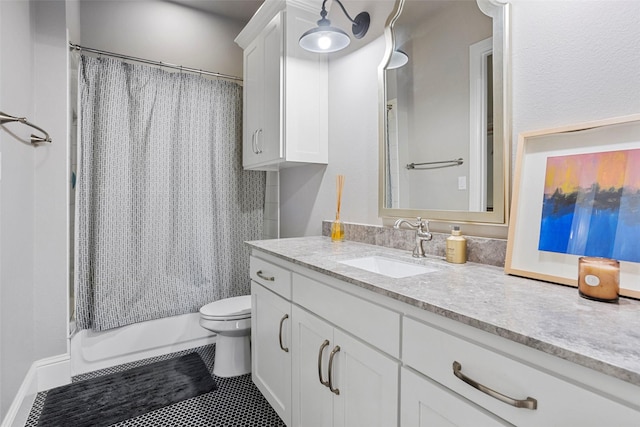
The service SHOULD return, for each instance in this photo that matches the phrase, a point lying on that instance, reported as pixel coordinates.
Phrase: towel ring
(35, 139)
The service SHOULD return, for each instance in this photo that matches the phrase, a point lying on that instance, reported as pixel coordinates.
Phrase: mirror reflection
(444, 124)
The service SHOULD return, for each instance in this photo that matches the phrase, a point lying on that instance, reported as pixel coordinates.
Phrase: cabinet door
(262, 86)
(424, 403)
(312, 402)
(253, 100)
(367, 382)
(271, 348)
(269, 139)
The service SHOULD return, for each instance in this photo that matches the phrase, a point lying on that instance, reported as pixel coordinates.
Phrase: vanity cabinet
(526, 392)
(313, 370)
(271, 335)
(337, 379)
(360, 358)
(285, 96)
(425, 403)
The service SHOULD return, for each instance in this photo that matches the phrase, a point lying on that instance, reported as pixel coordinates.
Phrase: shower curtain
(163, 205)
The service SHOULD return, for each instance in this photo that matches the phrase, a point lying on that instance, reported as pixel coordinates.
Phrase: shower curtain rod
(157, 63)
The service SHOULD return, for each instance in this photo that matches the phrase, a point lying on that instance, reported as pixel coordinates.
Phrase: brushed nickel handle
(258, 132)
(528, 403)
(331, 356)
(285, 349)
(262, 276)
(322, 347)
(253, 142)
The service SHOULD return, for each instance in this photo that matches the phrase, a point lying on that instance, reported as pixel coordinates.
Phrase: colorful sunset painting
(591, 205)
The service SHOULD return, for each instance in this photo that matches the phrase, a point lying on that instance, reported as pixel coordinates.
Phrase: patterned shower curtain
(163, 205)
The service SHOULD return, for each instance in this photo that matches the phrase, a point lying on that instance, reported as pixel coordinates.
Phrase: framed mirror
(445, 131)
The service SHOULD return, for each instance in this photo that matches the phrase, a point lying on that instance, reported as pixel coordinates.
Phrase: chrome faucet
(421, 235)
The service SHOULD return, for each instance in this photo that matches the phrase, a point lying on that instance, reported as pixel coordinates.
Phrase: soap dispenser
(456, 251)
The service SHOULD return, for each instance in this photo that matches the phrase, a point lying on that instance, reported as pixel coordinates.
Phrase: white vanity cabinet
(339, 380)
(271, 334)
(285, 105)
(528, 388)
(425, 403)
(306, 359)
(359, 358)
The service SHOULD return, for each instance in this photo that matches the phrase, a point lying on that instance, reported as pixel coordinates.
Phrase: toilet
(230, 318)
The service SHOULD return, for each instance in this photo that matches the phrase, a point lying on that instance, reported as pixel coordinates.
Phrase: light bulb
(324, 42)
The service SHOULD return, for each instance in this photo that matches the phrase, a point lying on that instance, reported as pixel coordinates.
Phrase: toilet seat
(235, 308)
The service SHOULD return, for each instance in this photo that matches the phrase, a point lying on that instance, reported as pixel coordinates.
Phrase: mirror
(444, 123)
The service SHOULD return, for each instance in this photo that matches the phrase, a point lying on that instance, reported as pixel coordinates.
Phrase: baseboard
(42, 375)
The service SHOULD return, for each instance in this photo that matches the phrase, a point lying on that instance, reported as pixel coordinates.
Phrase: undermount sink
(388, 267)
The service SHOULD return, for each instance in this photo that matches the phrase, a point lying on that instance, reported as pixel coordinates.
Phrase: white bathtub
(90, 350)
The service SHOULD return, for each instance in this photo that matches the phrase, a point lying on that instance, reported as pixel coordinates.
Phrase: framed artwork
(576, 193)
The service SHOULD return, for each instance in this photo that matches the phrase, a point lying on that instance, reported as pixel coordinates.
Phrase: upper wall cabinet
(285, 90)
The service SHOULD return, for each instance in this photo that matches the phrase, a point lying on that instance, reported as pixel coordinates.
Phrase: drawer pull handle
(285, 349)
(322, 347)
(331, 356)
(263, 277)
(528, 403)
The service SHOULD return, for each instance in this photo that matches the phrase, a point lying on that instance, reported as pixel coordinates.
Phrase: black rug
(122, 395)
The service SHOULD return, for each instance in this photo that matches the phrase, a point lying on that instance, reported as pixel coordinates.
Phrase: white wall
(33, 258)
(162, 31)
(308, 193)
(573, 61)
(17, 306)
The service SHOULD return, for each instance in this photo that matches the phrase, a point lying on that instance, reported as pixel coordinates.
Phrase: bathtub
(90, 351)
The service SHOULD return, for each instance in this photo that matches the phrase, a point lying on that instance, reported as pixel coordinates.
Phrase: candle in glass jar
(599, 278)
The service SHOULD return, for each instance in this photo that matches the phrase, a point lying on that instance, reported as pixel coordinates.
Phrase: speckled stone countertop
(545, 316)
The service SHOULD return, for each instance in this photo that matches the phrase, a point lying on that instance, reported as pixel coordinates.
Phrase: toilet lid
(229, 308)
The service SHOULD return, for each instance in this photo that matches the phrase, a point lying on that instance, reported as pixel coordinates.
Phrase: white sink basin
(388, 267)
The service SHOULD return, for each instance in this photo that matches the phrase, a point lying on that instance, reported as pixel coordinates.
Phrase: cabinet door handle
(263, 277)
(253, 142)
(528, 403)
(330, 374)
(322, 347)
(258, 149)
(285, 349)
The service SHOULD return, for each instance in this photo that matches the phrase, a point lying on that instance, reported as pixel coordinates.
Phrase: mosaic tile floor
(236, 402)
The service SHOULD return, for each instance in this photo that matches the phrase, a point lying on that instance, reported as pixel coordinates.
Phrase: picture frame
(523, 257)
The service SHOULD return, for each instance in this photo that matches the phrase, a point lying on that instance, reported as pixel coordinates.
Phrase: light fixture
(397, 60)
(325, 38)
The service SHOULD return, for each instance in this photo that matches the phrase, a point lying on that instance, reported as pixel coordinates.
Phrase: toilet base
(233, 356)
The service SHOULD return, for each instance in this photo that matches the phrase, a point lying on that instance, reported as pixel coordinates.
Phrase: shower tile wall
(271, 207)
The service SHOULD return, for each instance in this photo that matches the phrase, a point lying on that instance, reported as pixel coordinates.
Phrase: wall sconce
(325, 38)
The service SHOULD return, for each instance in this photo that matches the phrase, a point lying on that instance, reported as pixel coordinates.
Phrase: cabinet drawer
(271, 276)
(426, 403)
(373, 324)
(433, 351)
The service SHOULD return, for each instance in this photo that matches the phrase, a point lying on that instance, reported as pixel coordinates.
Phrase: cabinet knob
(528, 403)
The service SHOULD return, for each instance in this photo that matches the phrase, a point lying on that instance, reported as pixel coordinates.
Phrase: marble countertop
(545, 316)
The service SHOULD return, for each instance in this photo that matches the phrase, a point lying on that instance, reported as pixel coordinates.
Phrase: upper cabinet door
(262, 86)
(285, 94)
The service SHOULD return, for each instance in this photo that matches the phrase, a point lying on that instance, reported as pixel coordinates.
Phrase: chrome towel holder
(35, 139)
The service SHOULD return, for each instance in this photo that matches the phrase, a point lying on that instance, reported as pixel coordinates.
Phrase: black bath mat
(122, 395)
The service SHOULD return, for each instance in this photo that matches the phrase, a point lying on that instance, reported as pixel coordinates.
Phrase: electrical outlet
(462, 183)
